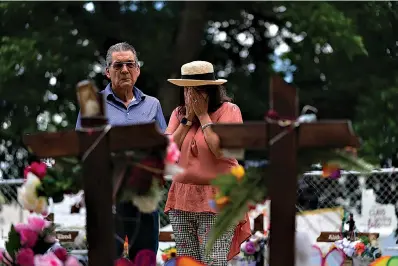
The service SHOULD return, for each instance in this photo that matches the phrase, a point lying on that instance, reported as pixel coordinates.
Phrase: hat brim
(196, 82)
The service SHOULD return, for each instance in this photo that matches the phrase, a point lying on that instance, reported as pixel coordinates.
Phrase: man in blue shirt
(127, 105)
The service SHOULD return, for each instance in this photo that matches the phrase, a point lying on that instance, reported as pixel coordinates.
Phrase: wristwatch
(186, 122)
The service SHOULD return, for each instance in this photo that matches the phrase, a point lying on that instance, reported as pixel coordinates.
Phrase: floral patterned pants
(191, 231)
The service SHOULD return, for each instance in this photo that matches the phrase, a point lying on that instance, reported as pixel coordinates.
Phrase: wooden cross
(97, 166)
(283, 160)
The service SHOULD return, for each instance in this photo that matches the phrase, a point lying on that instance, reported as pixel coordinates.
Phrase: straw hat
(197, 73)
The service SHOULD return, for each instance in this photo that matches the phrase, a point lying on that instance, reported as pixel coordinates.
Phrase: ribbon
(272, 117)
(97, 141)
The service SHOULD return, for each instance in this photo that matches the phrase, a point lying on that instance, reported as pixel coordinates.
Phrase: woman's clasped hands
(196, 103)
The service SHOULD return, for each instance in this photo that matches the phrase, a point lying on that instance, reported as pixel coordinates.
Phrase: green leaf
(58, 197)
(251, 189)
(13, 243)
(41, 246)
(224, 180)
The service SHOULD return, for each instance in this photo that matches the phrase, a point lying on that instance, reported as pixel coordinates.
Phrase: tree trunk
(187, 46)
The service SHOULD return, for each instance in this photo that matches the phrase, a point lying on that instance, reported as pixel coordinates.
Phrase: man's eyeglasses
(129, 64)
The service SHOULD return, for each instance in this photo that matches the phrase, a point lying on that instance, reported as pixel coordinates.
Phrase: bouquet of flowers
(169, 253)
(144, 176)
(143, 257)
(242, 188)
(366, 250)
(345, 245)
(252, 251)
(42, 183)
(362, 251)
(142, 180)
(34, 244)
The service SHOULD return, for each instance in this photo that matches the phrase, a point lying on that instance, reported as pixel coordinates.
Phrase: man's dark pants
(142, 229)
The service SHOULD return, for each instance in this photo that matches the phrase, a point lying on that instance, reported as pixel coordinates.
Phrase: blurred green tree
(339, 55)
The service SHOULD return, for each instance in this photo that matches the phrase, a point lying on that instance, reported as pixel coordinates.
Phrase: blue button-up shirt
(144, 109)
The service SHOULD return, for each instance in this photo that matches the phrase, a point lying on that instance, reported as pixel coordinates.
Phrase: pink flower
(72, 261)
(1, 254)
(26, 171)
(25, 257)
(123, 262)
(39, 169)
(173, 153)
(250, 248)
(20, 226)
(47, 260)
(61, 254)
(27, 235)
(6, 258)
(37, 223)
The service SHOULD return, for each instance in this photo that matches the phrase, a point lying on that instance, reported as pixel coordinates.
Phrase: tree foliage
(343, 57)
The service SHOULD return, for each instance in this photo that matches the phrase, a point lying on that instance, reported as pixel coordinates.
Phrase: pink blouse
(200, 164)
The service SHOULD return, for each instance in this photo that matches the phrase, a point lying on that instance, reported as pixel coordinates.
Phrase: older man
(127, 105)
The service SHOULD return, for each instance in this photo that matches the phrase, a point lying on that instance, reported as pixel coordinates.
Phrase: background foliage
(342, 56)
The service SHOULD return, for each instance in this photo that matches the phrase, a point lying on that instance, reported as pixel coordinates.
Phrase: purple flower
(335, 174)
(250, 248)
(213, 205)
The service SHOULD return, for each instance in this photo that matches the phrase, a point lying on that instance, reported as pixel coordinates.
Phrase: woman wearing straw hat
(203, 102)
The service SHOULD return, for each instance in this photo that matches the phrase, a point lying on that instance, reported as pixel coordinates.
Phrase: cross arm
(250, 135)
(66, 143)
(54, 144)
(327, 134)
(254, 135)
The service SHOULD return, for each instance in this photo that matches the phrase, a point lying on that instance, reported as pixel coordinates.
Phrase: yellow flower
(238, 171)
(172, 252)
(41, 205)
(222, 200)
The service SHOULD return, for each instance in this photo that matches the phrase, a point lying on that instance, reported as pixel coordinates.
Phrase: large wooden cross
(97, 166)
(283, 160)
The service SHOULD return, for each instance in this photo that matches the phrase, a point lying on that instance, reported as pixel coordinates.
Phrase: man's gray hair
(119, 47)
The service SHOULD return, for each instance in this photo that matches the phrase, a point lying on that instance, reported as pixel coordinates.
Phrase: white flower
(32, 182)
(80, 238)
(147, 204)
(41, 206)
(27, 195)
(27, 199)
(172, 169)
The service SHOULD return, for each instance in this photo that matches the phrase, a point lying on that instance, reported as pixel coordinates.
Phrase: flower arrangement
(34, 244)
(145, 176)
(252, 251)
(345, 245)
(169, 253)
(364, 249)
(42, 183)
(242, 188)
(143, 257)
(367, 248)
